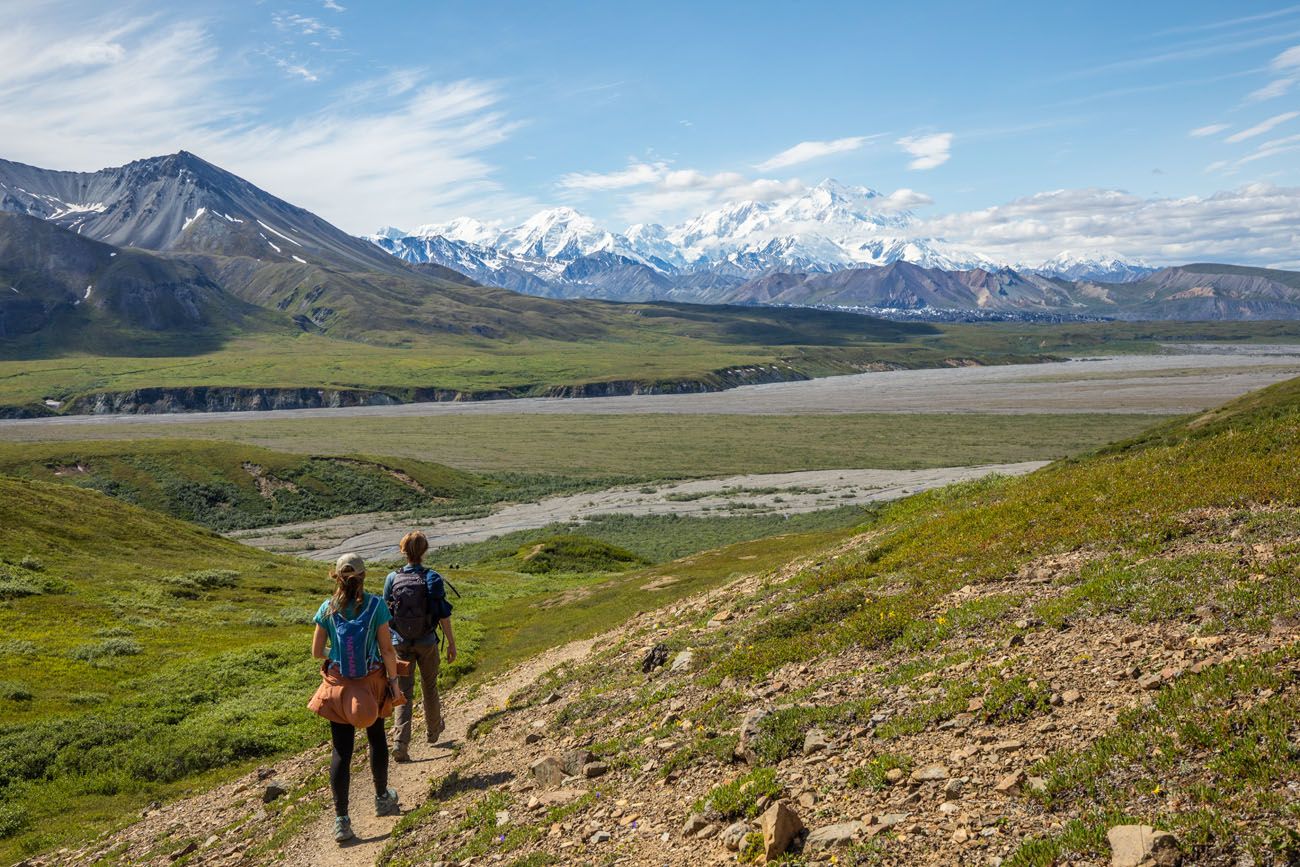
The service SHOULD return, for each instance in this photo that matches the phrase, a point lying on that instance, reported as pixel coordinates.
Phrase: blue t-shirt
(325, 621)
(438, 603)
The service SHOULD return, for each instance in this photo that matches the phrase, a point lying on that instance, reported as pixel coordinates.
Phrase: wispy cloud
(806, 151)
(1234, 22)
(333, 6)
(104, 91)
(928, 151)
(1210, 129)
(1263, 126)
(296, 70)
(635, 175)
(1287, 66)
(304, 25)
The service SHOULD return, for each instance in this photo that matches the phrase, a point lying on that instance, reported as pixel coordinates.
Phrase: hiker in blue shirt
(358, 685)
(417, 597)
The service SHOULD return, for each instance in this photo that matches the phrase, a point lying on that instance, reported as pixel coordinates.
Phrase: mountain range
(827, 228)
(174, 244)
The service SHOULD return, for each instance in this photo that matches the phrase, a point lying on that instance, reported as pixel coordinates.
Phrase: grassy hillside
(225, 486)
(149, 657)
(1110, 640)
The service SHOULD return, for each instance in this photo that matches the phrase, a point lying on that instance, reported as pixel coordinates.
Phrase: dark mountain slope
(49, 274)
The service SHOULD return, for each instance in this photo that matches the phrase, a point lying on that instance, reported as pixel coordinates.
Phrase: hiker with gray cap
(359, 686)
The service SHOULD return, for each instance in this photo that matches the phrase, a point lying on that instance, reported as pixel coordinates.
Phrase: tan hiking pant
(424, 657)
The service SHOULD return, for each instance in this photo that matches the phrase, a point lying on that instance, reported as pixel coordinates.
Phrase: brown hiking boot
(400, 754)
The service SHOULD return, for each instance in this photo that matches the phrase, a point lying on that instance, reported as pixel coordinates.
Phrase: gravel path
(375, 535)
(1190, 379)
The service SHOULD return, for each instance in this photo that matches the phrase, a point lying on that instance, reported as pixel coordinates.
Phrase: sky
(1167, 131)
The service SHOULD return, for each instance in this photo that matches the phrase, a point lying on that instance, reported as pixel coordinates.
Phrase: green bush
(872, 774)
(14, 585)
(191, 584)
(740, 797)
(781, 733)
(31, 564)
(17, 647)
(1015, 700)
(574, 553)
(14, 691)
(109, 648)
(13, 818)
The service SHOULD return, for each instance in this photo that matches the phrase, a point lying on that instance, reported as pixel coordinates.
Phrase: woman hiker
(358, 684)
(417, 597)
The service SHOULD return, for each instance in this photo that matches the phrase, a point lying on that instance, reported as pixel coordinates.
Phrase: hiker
(359, 687)
(417, 597)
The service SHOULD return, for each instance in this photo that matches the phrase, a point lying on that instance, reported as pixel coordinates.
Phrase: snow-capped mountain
(1098, 267)
(823, 229)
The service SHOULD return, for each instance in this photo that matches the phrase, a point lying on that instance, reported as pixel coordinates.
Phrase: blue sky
(407, 113)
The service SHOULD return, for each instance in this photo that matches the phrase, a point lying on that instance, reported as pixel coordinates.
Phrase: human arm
(445, 624)
(318, 644)
(384, 637)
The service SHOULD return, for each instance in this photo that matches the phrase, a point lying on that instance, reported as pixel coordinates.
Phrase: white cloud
(296, 70)
(1211, 129)
(1255, 223)
(1289, 59)
(635, 175)
(811, 150)
(904, 200)
(1275, 88)
(401, 149)
(929, 151)
(334, 7)
(1263, 126)
(657, 191)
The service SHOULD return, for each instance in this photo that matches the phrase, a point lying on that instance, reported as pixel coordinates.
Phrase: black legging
(344, 738)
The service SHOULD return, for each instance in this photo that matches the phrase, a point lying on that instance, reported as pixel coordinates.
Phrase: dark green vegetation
(573, 553)
(658, 446)
(227, 486)
(653, 538)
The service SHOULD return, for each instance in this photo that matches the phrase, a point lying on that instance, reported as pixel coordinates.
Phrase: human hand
(451, 651)
(395, 687)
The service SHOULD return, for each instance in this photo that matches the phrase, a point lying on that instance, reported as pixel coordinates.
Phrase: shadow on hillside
(454, 784)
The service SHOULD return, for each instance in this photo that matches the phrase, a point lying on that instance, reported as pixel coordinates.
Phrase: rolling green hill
(225, 486)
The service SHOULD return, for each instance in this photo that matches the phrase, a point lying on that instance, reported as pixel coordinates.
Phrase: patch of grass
(781, 732)
(872, 775)
(1015, 700)
(109, 648)
(574, 553)
(739, 798)
(13, 690)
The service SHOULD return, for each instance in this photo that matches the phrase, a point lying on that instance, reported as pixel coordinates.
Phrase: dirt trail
(315, 847)
(376, 534)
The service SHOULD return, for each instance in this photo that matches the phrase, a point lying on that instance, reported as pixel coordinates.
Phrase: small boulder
(814, 742)
(749, 732)
(952, 789)
(599, 837)
(779, 825)
(1011, 783)
(654, 657)
(574, 760)
(733, 836)
(683, 661)
(591, 770)
(832, 836)
(548, 771)
(930, 774)
(1142, 846)
(274, 789)
(532, 738)
(694, 823)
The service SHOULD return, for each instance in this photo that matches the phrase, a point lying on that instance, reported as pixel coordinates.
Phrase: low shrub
(740, 796)
(14, 691)
(190, 585)
(109, 648)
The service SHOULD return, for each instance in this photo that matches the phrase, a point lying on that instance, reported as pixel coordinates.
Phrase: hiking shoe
(343, 829)
(386, 804)
(400, 754)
